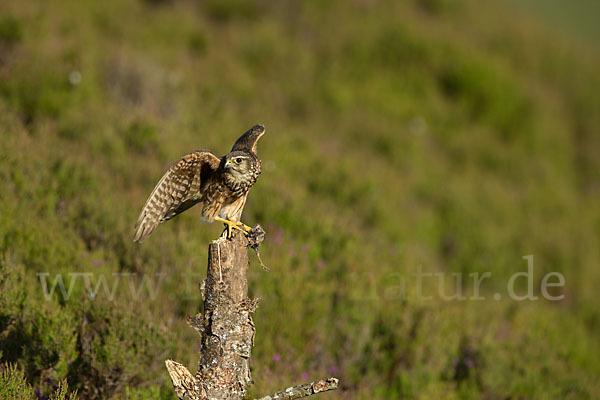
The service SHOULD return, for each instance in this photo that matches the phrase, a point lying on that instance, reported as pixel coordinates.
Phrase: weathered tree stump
(226, 327)
(227, 330)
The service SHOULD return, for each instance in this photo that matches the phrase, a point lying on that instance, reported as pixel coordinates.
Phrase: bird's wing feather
(177, 190)
(249, 140)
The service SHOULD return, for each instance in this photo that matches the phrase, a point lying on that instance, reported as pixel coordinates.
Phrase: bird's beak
(228, 163)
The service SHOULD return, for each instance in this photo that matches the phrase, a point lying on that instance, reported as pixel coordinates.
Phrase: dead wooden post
(227, 329)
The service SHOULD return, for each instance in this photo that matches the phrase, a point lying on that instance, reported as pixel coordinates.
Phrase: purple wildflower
(321, 264)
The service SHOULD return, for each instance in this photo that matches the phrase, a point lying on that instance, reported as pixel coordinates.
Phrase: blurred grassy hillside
(435, 135)
(578, 17)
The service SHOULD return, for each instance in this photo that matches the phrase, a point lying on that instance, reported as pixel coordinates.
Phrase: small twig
(304, 390)
(196, 322)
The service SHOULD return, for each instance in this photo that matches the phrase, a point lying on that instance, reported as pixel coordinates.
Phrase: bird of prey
(219, 185)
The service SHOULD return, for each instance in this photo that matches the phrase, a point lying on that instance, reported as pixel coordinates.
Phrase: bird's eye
(238, 160)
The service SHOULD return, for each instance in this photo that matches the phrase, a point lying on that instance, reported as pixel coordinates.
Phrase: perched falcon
(219, 185)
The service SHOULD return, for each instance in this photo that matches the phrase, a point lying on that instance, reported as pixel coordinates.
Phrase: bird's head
(239, 164)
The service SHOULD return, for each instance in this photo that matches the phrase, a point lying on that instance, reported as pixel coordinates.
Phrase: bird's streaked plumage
(219, 185)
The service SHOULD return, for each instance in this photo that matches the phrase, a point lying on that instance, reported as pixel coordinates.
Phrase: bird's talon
(240, 226)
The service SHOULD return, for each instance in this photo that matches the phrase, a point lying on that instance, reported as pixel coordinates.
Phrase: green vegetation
(430, 133)
(14, 386)
(577, 17)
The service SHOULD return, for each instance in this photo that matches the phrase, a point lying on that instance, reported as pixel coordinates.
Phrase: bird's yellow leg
(246, 227)
(240, 226)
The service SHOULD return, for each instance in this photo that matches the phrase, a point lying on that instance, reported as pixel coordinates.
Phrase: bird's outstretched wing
(177, 190)
(249, 140)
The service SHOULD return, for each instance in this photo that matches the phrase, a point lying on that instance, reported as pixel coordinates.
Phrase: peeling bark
(228, 328)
